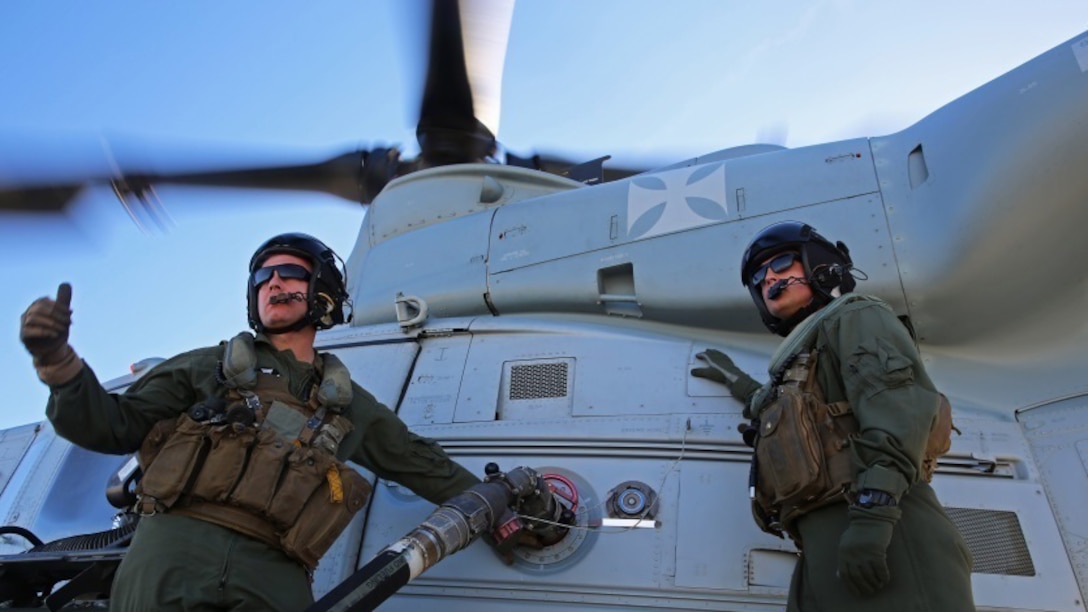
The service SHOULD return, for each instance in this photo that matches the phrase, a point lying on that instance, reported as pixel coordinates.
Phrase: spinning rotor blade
(356, 176)
(458, 120)
(589, 172)
(38, 175)
(468, 39)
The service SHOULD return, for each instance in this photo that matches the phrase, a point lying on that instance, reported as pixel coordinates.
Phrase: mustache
(286, 298)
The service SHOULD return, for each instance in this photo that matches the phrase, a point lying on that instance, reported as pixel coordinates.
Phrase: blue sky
(643, 81)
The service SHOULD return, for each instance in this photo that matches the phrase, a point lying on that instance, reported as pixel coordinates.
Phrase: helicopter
(557, 290)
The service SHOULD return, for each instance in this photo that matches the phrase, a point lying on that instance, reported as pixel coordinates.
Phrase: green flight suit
(867, 357)
(180, 563)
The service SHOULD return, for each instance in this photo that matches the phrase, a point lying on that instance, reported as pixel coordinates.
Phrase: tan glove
(44, 332)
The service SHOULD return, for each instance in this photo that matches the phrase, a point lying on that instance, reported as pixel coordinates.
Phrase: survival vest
(258, 460)
(802, 459)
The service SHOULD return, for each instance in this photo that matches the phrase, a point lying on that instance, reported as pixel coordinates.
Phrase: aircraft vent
(536, 389)
(995, 541)
(539, 380)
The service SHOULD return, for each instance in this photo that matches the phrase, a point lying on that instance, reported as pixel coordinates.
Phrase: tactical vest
(258, 460)
(802, 458)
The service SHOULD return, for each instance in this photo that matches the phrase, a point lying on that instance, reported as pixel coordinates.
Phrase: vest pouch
(789, 453)
(171, 463)
(227, 454)
(322, 519)
(267, 461)
(304, 473)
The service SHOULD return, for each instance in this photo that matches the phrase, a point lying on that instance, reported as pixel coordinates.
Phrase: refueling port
(632, 500)
(566, 542)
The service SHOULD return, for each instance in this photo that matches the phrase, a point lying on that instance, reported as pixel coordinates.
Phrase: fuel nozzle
(535, 517)
(511, 507)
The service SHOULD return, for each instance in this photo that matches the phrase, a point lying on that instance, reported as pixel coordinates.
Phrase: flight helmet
(327, 293)
(826, 265)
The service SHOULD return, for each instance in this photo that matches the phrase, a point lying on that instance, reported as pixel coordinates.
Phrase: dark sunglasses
(286, 271)
(780, 263)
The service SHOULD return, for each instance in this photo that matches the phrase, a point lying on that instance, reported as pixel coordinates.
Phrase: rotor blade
(486, 27)
(38, 199)
(590, 172)
(339, 176)
(44, 174)
(449, 130)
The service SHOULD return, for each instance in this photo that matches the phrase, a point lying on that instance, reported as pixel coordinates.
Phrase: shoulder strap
(334, 392)
(238, 369)
(804, 335)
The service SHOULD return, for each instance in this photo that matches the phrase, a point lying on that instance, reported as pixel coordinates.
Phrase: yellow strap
(336, 486)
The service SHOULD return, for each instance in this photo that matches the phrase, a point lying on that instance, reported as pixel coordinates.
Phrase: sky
(646, 82)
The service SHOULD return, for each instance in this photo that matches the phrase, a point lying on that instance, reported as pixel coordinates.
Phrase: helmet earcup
(828, 276)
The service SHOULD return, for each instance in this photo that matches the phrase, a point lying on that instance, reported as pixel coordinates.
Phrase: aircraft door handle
(411, 310)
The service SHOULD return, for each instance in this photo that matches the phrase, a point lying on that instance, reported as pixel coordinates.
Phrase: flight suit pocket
(304, 472)
(172, 466)
(228, 450)
(263, 472)
(881, 366)
(326, 515)
(789, 454)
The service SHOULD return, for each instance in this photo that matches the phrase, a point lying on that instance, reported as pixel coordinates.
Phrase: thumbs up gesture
(44, 332)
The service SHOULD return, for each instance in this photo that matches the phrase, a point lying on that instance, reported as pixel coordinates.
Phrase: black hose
(23, 531)
(367, 588)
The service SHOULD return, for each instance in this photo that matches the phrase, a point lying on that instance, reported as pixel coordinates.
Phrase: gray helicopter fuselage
(527, 319)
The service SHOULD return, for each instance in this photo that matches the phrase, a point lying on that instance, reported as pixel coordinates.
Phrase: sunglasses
(779, 263)
(286, 271)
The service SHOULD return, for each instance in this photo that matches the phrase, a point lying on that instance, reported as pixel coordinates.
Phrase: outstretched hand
(720, 368)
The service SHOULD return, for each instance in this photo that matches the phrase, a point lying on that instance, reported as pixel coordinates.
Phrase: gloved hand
(863, 549)
(44, 332)
(720, 368)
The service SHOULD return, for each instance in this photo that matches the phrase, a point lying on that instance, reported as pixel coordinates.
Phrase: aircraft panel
(1058, 434)
(974, 217)
(1052, 586)
(599, 369)
(435, 381)
(465, 189)
(716, 547)
(36, 481)
(639, 566)
(382, 368)
(692, 277)
(443, 264)
(13, 445)
(665, 202)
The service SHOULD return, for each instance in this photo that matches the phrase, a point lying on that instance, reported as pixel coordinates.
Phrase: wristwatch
(869, 498)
